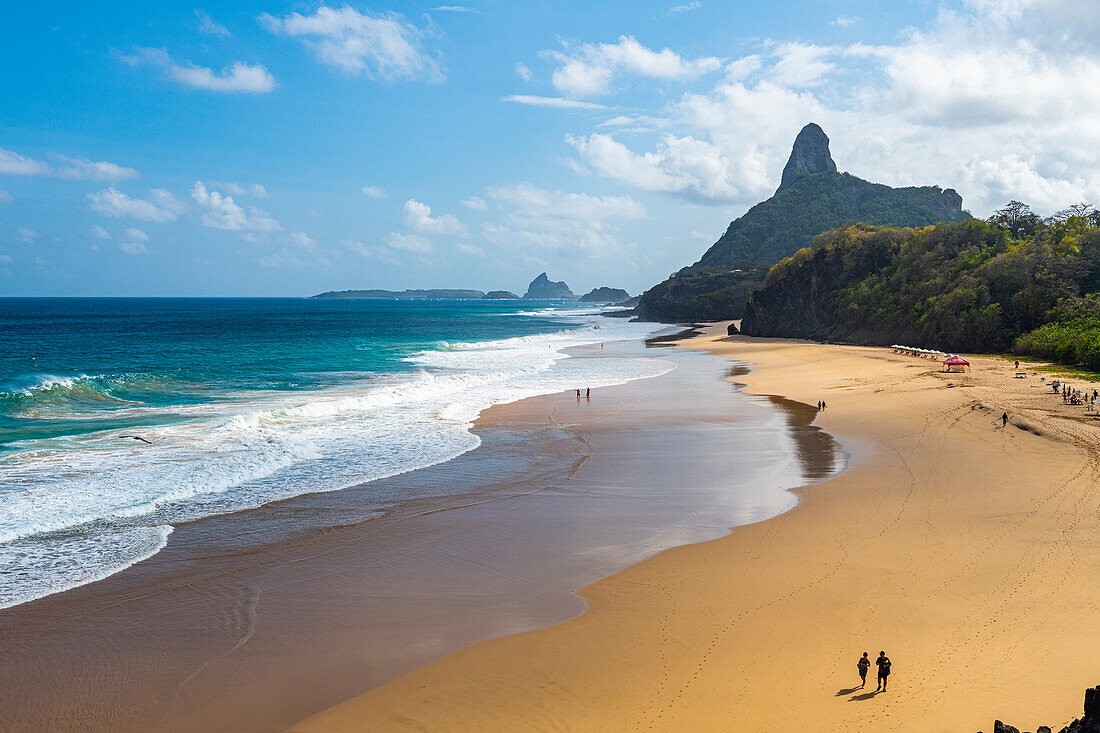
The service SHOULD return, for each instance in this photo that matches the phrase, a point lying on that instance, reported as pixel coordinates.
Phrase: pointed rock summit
(809, 155)
(543, 288)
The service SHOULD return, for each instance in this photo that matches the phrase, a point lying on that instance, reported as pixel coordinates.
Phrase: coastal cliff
(812, 198)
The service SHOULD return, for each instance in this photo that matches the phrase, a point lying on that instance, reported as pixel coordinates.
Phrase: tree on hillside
(1083, 209)
(1018, 218)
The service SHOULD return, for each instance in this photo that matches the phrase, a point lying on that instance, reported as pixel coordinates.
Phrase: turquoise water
(120, 418)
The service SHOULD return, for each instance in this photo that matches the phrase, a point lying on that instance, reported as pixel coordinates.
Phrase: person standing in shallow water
(863, 664)
(883, 663)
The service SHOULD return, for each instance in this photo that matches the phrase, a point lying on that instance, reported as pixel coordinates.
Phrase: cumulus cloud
(844, 21)
(470, 250)
(14, 164)
(99, 232)
(523, 72)
(134, 242)
(418, 217)
(255, 190)
(686, 8)
(376, 45)
(237, 78)
(161, 206)
(220, 211)
(456, 9)
(5, 260)
(475, 203)
(998, 100)
(554, 102)
(374, 192)
(587, 70)
(209, 26)
(541, 221)
(27, 234)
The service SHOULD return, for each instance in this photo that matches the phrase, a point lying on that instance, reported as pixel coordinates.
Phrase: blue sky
(285, 148)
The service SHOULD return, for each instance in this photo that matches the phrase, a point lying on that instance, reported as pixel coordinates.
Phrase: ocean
(122, 418)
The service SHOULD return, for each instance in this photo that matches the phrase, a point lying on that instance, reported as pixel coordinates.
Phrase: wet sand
(256, 620)
(966, 550)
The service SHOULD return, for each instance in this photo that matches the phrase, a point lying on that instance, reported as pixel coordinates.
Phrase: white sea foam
(79, 508)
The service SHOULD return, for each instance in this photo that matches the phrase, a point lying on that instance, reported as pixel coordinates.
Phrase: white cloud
(802, 65)
(161, 207)
(374, 192)
(300, 251)
(222, 212)
(5, 260)
(575, 224)
(237, 78)
(256, 190)
(27, 234)
(470, 250)
(999, 100)
(133, 246)
(588, 69)
(418, 217)
(701, 236)
(379, 253)
(555, 102)
(475, 203)
(687, 8)
(523, 72)
(14, 164)
(136, 235)
(456, 9)
(409, 243)
(379, 46)
(844, 21)
(6, 197)
(209, 26)
(99, 232)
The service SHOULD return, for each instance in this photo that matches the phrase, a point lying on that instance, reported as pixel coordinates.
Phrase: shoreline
(962, 549)
(232, 627)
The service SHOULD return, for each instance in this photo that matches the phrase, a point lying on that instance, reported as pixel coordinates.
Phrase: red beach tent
(955, 361)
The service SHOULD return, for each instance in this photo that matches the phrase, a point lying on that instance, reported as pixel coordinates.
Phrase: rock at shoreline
(543, 288)
(732, 330)
(605, 295)
(1088, 724)
(500, 295)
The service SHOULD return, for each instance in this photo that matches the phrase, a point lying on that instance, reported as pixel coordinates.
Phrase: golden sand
(968, 552)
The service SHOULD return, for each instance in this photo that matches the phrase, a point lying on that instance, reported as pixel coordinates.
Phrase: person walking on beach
(823, 405)
(578, 393)
(1017, 365)
(1004, 420)
(883, 663)
(863, 664)
(588, 393)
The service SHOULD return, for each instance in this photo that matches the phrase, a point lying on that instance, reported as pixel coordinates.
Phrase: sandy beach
(966, 551)
(254, 620)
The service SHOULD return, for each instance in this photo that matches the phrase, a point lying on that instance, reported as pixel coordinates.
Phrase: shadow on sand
(865, 696)
(840, 693)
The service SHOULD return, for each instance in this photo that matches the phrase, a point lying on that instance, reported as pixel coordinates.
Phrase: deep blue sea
(122, 417)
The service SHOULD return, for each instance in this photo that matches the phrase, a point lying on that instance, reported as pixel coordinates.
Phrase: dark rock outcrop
(732, 330)
(1090, 723)
(707, 295)
(605, 295)
(630, 302)
(543, 288)
(500, 295)
(809, 155)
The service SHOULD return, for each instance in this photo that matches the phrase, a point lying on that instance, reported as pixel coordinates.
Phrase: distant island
(605, 295)
(500, 295)
(442, 294)
(543, 288)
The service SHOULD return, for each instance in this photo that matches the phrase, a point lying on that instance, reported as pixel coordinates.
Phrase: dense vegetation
(778, 227)
(1014, 282)
(781, 225)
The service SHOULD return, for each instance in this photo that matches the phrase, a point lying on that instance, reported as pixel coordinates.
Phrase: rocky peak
(810, 154)
(543, 288)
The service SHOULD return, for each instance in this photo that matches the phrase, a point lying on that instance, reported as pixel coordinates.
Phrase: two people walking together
(883, 663)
